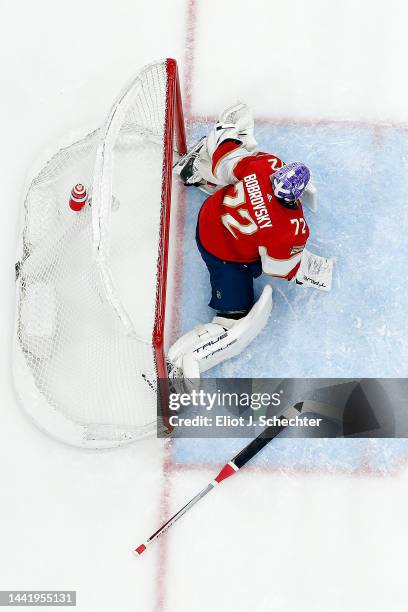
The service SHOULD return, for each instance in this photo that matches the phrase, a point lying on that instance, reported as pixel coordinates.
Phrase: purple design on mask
(290, 181)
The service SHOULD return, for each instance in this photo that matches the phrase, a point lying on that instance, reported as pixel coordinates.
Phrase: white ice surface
(310, 60)
(280, 541)
(289, 542)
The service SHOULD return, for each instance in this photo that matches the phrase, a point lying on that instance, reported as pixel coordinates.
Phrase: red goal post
(174, 132)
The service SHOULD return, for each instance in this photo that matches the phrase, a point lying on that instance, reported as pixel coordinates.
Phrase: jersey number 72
(300, 225)
(230, 221)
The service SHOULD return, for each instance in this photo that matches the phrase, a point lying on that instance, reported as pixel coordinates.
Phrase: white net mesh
(85, 366)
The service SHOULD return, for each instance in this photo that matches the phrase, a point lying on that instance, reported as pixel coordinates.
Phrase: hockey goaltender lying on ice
(252, 222)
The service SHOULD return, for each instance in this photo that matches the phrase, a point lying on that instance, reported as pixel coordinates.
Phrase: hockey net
(92, 286)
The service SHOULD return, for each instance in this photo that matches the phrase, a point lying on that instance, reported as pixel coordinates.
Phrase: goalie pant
(232, 287)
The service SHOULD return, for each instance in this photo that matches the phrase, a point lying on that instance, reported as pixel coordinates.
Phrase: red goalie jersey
(244, 221)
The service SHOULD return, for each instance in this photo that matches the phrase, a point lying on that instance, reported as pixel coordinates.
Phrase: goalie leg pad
(234, 122)
(208, 345)
(186, 344)
(195, 167)
(241, 116)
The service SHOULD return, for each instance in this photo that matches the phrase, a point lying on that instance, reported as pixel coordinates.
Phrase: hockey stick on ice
(236, 463)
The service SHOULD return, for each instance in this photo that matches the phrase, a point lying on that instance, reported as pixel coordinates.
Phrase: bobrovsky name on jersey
(257, 201)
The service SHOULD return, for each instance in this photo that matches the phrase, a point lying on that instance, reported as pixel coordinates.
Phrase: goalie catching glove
(207, 345)
(315, 271)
